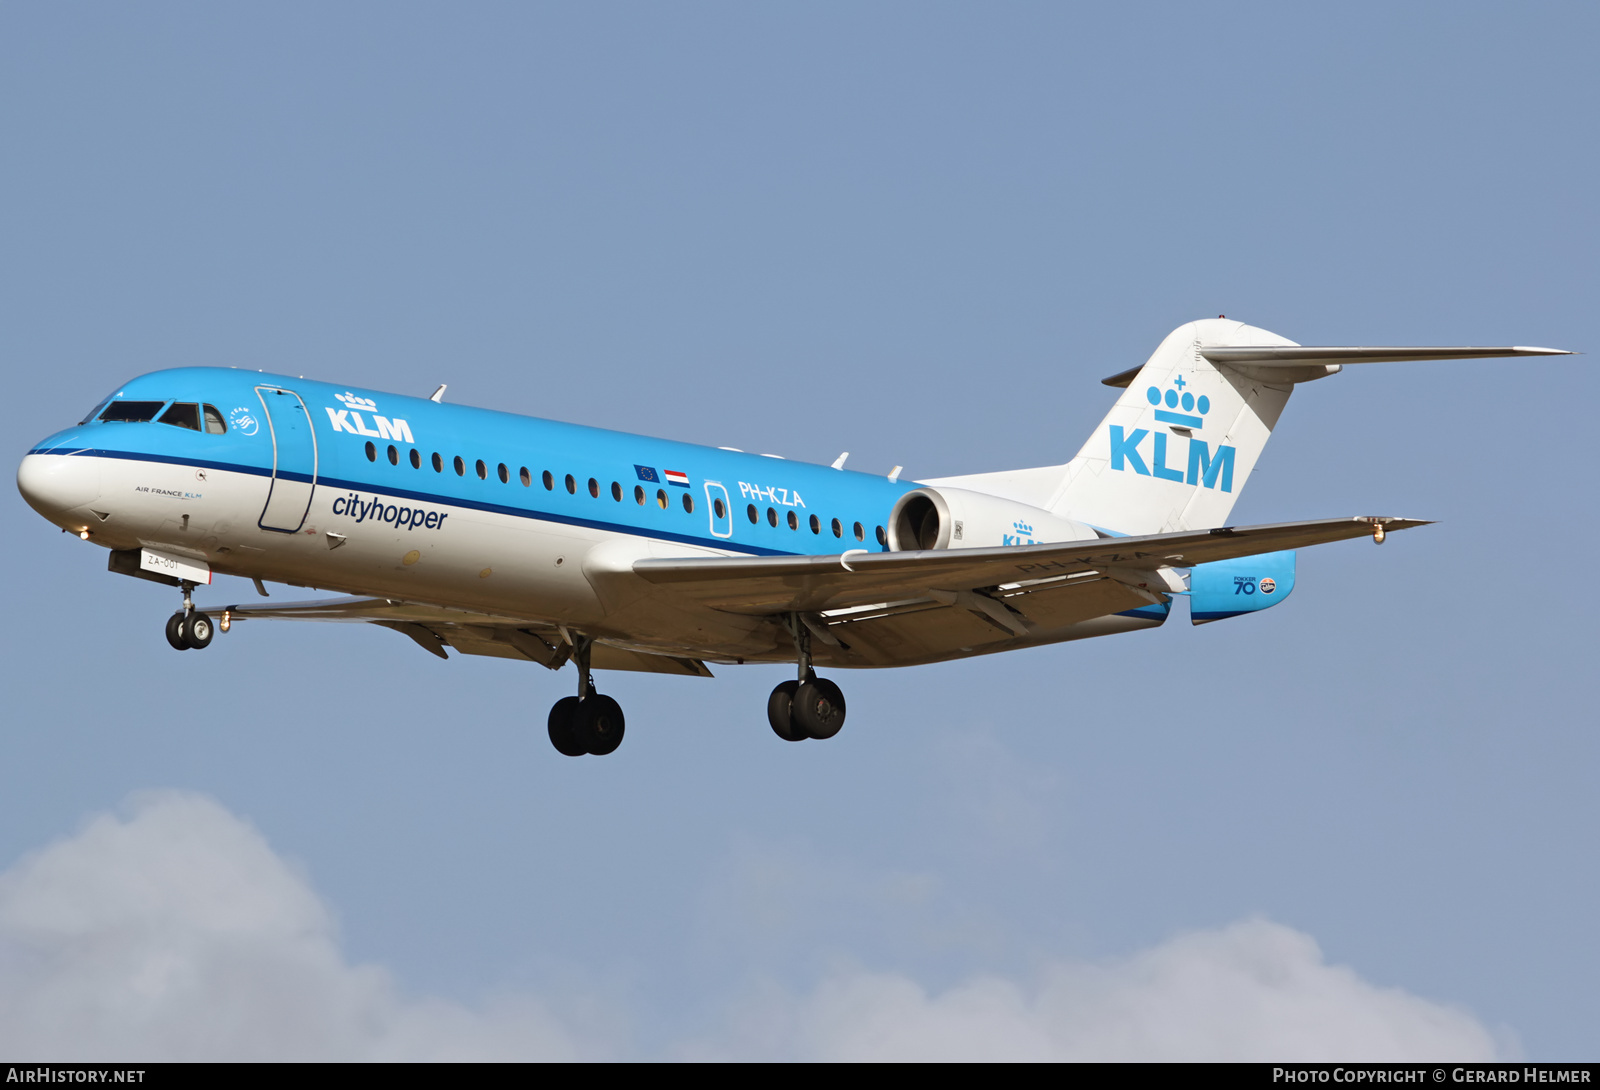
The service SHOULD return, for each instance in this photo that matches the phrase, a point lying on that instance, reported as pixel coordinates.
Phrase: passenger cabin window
(416, 459)
(215, 425)
(131, 412)
(438, 463)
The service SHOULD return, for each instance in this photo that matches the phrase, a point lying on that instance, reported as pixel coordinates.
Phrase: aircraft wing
(434, 628)
(781, 584)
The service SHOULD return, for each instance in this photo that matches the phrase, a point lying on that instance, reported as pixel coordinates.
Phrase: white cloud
(1253, 991)
(177, 933)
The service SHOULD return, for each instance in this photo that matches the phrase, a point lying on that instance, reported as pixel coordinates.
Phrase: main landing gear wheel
(810, 707)
(590, 723)
(594, 725)
(818, 708)
(598, 725)
(175, 632)
(562, 716)
(780, 712)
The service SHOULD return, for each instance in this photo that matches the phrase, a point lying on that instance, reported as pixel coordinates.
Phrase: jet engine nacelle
(954, 518)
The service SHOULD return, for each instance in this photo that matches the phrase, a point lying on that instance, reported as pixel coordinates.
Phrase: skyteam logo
(243, 422)
(1183, 413)
(349, 419)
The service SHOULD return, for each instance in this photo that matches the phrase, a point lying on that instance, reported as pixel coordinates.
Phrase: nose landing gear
(809, 707)
(189, 629)
(588, 722)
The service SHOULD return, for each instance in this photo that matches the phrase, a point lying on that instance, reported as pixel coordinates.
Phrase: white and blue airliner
(498, 534)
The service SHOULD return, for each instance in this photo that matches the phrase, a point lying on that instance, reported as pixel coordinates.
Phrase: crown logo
(1022, 528)
(1175, 398)
(354, 402)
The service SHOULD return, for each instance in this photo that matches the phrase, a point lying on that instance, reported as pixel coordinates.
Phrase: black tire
(779, 707)
(563, 719)
(175, 633)
(198, 630)
(599, 725)
(818, 708)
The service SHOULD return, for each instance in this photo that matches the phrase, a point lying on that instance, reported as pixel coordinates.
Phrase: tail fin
(1177, 448)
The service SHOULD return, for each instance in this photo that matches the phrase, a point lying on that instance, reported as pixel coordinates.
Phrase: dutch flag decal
(674, 477)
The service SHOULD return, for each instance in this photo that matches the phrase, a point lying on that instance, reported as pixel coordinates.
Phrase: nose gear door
(294, 460)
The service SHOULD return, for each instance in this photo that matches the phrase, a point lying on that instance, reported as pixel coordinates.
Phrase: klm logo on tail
(1186, 413)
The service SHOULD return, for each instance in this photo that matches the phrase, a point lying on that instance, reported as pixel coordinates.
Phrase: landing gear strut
(189, 628)
(810, 706)
(588, 722)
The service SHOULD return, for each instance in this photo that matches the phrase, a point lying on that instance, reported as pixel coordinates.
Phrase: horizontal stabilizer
(1302, 355)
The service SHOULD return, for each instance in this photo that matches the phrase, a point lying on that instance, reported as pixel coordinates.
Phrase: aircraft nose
(55, 483)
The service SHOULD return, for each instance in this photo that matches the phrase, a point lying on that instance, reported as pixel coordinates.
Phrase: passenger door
(294, 460)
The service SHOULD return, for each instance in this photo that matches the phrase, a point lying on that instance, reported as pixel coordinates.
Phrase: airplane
(492, 533)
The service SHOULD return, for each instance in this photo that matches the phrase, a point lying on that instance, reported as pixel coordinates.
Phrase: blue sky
(921, 233)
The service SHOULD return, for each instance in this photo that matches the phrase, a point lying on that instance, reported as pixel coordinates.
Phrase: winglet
(438, 395)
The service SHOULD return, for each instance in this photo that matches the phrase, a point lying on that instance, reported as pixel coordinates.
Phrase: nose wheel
(588, 722)
(189, 629)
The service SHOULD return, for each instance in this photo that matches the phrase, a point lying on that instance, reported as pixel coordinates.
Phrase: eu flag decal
(646, 473)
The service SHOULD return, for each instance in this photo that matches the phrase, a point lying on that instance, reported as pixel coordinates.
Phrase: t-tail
(1178, 447)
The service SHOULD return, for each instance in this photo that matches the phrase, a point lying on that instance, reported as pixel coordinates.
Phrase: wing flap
(433, 628)
(777, 584)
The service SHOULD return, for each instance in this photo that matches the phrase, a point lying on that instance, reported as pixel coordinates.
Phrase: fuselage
(372, 493)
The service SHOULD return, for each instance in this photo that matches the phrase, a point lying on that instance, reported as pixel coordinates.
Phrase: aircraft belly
(554, 573)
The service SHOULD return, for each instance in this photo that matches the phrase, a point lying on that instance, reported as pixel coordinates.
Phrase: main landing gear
(588, 722)
(189, 629)
(809, 707)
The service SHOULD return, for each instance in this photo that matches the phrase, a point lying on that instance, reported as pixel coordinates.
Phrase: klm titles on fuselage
(1202, 466)
(349, 419)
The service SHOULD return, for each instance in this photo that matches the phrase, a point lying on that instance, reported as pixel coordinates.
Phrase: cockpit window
(132, 412)
(215, 425)
(94, 412)
(183, 414)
